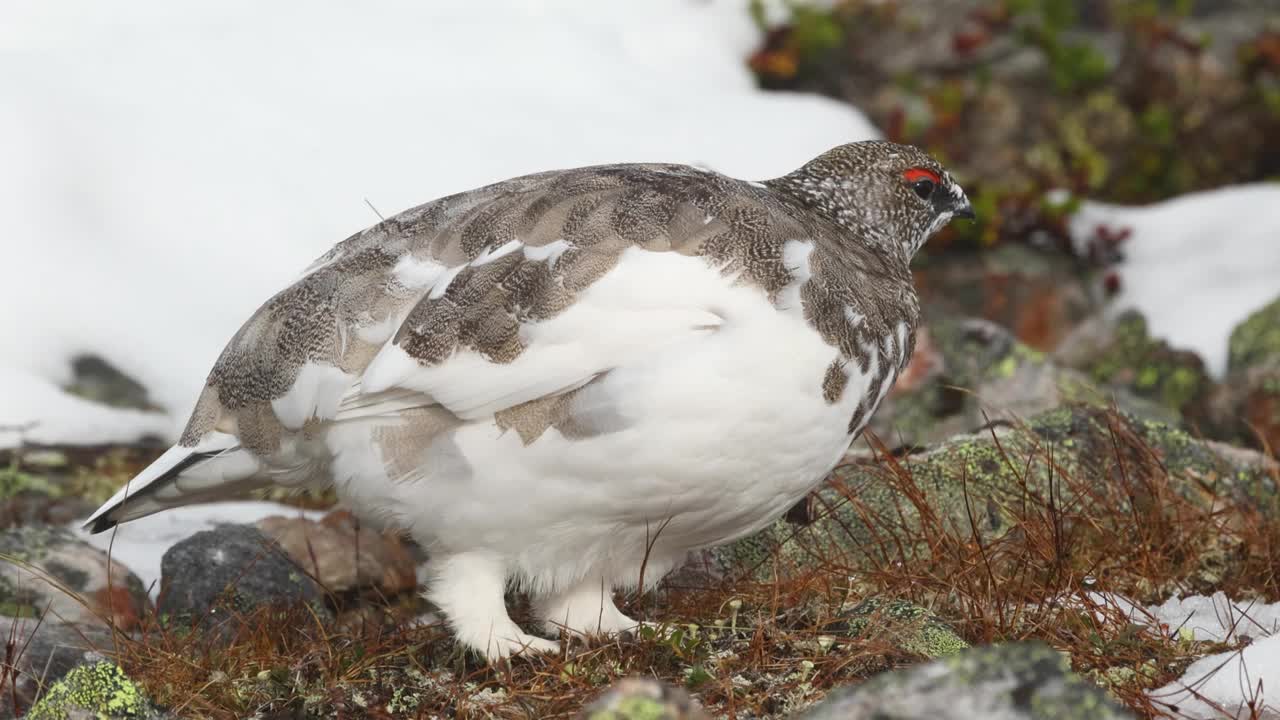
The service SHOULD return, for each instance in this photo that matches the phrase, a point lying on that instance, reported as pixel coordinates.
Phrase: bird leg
(469, 589)
(583, 610)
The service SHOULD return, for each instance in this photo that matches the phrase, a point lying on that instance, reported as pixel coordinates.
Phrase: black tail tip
(101, 524)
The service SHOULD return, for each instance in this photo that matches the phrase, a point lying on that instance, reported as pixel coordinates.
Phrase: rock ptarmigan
(560, 379)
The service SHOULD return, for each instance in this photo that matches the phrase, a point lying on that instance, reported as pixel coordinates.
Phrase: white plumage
(560, 380)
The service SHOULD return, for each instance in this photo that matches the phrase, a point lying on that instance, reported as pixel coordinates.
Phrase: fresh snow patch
(140, 544)
(1218, 619)
(1230, 681)
(35, 410)
(168, 167)
(1196, 265)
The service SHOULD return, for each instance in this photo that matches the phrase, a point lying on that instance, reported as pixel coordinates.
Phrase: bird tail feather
(216, 467)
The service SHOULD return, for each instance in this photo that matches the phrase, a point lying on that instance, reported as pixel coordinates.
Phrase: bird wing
(473, 303)
(491, 340)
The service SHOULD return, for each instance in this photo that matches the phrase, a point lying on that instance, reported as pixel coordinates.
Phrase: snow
(1198, 264)
(36, 410)
(1216, 686)
(167, 167)
(1224, 685)
(1221, 685)
(140, 544)
(1217, 618)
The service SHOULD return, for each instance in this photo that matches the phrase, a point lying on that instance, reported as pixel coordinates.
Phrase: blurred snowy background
(165, 167)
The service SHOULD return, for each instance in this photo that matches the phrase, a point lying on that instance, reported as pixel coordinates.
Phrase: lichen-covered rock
(49, 650)
(343, 556)
(1118, 352)
(967, 372)
(1256, 341)
(100, 691)
(977, 483)
(643, 699)
(48, 572)
(95, 379)
(909, 626)
(1246, 406)
(1018, 681)
(214, 575)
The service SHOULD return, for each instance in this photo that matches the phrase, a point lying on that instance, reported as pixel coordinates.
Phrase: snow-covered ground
(1217, 686)
(1222, 685)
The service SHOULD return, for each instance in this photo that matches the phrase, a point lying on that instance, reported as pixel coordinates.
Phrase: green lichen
(1012, 680)
(633, 708)
(1148, 367)
(13, 482)
(912, 627)
(403, 702)
(101, 689)
(31, 543)
(1257, 339)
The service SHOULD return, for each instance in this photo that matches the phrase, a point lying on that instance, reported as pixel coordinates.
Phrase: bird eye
(922, 181)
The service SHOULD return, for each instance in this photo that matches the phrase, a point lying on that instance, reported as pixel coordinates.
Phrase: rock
(1246, 406)
(51, 563)
(970, 484)
(94, 692)
(95, 379)
(215, 575)
(968, 372)
(909, 626)
(343, 558)
(640, 698)
(49, 650)
(1118, 353)
(1017, 681)
(1256, 341)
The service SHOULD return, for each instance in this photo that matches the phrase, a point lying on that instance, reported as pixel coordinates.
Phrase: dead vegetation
(750, 648)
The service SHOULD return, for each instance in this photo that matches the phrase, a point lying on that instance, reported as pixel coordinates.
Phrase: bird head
(891, 195)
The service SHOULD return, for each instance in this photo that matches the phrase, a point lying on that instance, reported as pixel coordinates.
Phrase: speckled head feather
(890, 195)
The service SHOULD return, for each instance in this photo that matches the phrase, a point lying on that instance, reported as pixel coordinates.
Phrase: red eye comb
(915, 174)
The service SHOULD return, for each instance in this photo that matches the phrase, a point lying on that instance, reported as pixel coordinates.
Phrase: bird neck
(829, 198)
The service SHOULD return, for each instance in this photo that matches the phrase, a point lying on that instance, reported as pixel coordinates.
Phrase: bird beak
(954, 201)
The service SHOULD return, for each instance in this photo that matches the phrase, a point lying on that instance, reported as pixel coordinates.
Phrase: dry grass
(748, 648)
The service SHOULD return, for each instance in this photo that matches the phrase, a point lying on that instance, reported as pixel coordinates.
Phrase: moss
(1256, 339)
(912, 627)
(16, 482)
(1149, 367)
(633, 708)
(101, 689)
